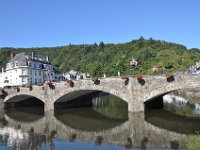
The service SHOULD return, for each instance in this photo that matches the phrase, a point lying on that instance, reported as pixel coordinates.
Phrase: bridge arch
(78, 93)
(152, 97)
(156, 90)
(80, 98)
(79, 90)
(21, 97)
(156, 86)
(24, 92)
(74, 94)
(24, 101)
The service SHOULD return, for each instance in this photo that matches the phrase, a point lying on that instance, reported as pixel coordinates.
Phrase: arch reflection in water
(86, 119)
(110, 106)
(26, 114)
(181, 105)
(173, 122)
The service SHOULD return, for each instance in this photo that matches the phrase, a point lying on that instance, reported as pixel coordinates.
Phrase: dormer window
(8, 65)
(30, 64)
(12, 65)
(16, 64)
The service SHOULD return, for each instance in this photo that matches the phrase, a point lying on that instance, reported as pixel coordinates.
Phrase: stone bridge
(134, 93)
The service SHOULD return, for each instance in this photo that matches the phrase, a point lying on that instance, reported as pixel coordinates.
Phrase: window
(12, 65)
(23, 72)
(35, 65)
(35, 73)
(30, 72)
(40, 66)
(30, 64)
(39, 73)
(16, 64)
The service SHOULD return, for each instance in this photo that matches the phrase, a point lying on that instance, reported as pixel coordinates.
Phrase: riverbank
(193, 94)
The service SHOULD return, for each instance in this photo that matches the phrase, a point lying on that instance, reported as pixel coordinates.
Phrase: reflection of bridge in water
(118, 133)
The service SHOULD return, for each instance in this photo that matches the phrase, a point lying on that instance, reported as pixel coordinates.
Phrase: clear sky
(46, 23)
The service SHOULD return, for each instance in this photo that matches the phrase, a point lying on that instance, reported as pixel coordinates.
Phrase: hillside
(101, 58)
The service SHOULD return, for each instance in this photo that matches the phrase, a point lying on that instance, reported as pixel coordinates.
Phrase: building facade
(195, 69)
(24, 69)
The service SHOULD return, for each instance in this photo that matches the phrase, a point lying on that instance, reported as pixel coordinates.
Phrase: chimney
(47, 58)
(12, 55)
(33, 55)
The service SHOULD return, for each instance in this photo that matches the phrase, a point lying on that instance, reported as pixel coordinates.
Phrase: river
(104, 126)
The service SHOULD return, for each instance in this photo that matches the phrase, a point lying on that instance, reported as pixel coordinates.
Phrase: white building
(195, 69)
(73, 75)
(24, 69)
(3, 78)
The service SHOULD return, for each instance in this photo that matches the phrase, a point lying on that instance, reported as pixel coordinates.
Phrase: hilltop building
(25, 69)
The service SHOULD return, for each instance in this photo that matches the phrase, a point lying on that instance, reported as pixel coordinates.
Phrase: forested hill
(101, 58)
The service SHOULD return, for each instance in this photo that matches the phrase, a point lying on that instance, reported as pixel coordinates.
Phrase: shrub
(193, 142)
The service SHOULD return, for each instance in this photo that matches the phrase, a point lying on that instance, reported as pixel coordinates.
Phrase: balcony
(23, 76)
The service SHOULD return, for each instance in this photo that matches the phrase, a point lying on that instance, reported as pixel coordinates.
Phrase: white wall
(3, 77)
(31, 74)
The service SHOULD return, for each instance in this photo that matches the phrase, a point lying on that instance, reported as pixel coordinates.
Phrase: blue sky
(46, 23)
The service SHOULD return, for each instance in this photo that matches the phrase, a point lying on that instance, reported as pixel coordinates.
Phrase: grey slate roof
(19, 57)
(22, 57)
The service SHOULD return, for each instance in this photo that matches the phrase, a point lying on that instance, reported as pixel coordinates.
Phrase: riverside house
(26, 69)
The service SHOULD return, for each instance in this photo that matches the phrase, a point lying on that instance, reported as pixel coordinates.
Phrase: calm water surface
(106, 126)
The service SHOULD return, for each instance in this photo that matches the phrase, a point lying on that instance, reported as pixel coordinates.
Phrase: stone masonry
(133, 93)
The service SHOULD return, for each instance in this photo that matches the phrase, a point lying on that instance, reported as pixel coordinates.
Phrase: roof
(22, 57)
(19, 57)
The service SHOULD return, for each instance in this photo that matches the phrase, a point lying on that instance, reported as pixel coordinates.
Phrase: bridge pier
(48, 106)
(1, 104)
(135, 106)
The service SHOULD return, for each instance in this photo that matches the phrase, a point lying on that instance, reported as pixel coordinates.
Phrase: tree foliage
(101, 58)
(193, 142)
